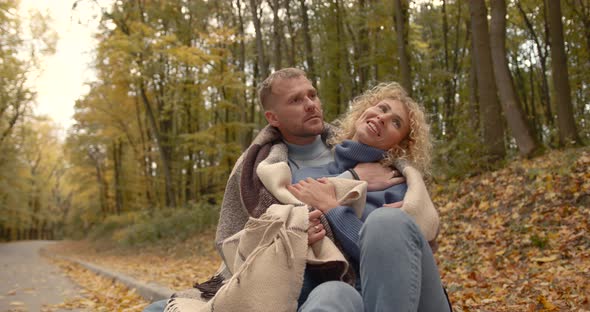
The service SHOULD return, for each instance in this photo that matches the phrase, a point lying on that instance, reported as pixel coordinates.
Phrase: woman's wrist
(328, 206)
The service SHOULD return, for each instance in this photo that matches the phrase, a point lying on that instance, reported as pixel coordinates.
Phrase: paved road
(29, 281)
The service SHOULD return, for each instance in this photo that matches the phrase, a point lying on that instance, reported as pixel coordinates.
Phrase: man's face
(295, 110)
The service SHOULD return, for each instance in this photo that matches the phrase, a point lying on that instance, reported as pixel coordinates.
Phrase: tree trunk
(490, 112)
(170, 196)
(276, 34)
(259, 44)
(311, 71)
(292, 35)
(568, 135)
(117, 167)
(526, 142)
(146, 166)
(473, 97)
(545, 98)
(401, 28)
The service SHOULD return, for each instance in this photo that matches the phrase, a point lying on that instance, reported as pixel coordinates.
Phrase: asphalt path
(30, 282)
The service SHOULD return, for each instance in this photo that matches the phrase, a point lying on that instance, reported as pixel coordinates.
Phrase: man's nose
(309, 104)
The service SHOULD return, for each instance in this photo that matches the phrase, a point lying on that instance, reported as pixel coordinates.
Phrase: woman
(388, 247)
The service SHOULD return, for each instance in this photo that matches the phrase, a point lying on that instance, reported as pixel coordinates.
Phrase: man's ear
(271, 118)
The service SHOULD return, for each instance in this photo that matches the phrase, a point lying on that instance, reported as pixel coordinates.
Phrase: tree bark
(292, 35)
(170, 196)
(473, 97)
(259, 44)
(526, 142)
(401, 27)
(117, 168)
(545, 98)
(489, 108)
(311, 71)
(568, 135)
(276, 34)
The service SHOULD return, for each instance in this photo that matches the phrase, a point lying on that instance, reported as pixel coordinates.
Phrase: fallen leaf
(545, 259)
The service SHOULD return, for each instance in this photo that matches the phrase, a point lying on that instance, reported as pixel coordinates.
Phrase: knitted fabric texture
(267, 258)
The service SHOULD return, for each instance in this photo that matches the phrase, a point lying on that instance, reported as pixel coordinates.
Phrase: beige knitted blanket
(268, 257)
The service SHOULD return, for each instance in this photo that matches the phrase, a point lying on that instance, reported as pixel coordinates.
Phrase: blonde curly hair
(416, 148)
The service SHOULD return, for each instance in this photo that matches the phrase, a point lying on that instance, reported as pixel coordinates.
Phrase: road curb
(149, 291)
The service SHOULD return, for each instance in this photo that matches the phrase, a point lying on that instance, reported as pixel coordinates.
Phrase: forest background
(174, 103)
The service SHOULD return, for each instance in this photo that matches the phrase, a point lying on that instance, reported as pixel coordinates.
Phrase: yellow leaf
(484, 205)
(545, 259)
(546, 304)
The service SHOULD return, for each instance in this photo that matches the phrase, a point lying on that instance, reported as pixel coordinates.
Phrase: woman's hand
(319, 194)
(315, 231)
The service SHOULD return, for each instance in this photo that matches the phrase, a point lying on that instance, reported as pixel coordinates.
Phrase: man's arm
(232, 215)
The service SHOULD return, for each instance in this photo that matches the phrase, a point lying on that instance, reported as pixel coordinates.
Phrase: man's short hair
(265, 88)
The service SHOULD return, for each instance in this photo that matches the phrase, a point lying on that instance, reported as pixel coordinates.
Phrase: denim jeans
(397, 271)
(156, 306)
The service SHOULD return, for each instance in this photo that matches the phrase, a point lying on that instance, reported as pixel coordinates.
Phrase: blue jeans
(397, 271)
(156, 306)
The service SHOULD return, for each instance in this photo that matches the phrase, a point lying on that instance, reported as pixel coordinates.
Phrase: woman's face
(383, 125)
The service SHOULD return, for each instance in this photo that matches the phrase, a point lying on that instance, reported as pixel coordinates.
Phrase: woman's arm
(417, 202)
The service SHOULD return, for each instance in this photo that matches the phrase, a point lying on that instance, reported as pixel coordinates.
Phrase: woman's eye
(397, 123)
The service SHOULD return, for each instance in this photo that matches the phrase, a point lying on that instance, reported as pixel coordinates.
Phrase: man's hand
(320, 194)
(398, 204)
(316, 230)
(377, 176)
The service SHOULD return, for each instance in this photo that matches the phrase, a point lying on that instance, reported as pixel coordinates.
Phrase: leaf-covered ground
(99, 294)
(516, 239)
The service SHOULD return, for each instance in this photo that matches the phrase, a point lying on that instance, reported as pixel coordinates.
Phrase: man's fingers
(398, 204)
(294, 190)
(385, 184)
(312, 238)
(316, 214)
(396, 181)
(313, 229)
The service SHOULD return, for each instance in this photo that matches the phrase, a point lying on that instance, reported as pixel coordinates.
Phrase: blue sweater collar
(308, 151)
(349, 153)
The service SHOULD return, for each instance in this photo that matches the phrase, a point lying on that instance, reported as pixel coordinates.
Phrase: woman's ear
(271, 118)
